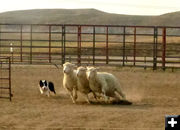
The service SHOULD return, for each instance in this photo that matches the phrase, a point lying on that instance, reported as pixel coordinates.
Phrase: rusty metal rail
(141, 46)
(5, 78)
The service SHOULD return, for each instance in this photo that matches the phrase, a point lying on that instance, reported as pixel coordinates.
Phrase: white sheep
(104, 83)
(70, 80)
(83, 83)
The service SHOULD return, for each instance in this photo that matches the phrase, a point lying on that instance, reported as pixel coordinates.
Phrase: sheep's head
(91, 72)
(68, 67)
(81, 71)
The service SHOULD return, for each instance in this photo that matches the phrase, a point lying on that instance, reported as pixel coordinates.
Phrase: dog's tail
(51, 87)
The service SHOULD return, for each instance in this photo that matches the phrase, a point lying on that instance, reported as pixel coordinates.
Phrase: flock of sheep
(88, 80)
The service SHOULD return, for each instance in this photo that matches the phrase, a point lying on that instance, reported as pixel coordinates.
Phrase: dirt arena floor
(154, 95)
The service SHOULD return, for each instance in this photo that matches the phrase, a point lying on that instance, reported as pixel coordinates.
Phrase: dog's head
(43, 84)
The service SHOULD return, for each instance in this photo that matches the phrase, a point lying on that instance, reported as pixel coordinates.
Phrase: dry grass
(154, 95)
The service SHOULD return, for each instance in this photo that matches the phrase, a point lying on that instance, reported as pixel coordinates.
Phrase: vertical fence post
(94, 40)
(107, 47)
(164, 48)
(124, 41)
(155, 48)
(31, 44)
(9, 78)
(134, 46)
(79, 45)
(63, 45)
(49, 43)
(21, 42)
(0, 40)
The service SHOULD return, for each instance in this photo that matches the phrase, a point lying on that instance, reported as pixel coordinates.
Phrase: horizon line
(85, 9)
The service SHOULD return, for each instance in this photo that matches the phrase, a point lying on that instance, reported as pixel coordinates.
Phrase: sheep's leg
(96, 96)
(71, 95)
(106, 98)
(120, 93)
(75, 94)
(86, 98)
(69, 91)
(104, 90)
(117, 96)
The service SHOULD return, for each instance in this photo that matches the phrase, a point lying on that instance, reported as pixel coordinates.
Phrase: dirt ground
(154, 95)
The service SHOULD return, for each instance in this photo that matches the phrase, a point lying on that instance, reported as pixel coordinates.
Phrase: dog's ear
(40, 83)
(45, 82)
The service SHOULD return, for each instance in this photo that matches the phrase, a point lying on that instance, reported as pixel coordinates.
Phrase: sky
(131, 7)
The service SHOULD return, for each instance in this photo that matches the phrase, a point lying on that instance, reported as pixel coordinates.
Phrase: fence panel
(5, 78)
(140, 46)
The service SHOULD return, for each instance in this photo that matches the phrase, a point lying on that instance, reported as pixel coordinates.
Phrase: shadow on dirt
(121, 104)
(114, 102)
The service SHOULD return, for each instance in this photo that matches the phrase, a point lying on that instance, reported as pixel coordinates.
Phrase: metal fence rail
(5, 78)
(141, 46)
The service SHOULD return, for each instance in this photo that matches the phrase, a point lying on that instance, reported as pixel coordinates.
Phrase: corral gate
(118, 45)
(5, 78)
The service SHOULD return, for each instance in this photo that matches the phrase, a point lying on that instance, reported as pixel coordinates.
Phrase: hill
(85, 16)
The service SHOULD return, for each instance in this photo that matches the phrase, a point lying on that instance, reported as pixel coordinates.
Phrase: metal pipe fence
(5, 78)
(140, 46)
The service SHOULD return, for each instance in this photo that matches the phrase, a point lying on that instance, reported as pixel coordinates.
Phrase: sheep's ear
(87, 67)
(65, 63)
(97, 68)
(84, 68)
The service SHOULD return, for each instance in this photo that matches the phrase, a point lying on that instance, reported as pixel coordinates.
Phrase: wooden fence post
(79, 46)
(155, 48)
(63, 47)
(124, 47)
(49, 43)
(164, 49)
(134, 46)
(94, 42)
(107, 46)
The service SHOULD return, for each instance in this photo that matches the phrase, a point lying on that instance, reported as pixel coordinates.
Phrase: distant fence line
(141, 46)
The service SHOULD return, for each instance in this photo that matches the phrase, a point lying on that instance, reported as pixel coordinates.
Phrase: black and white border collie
(45, 87)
